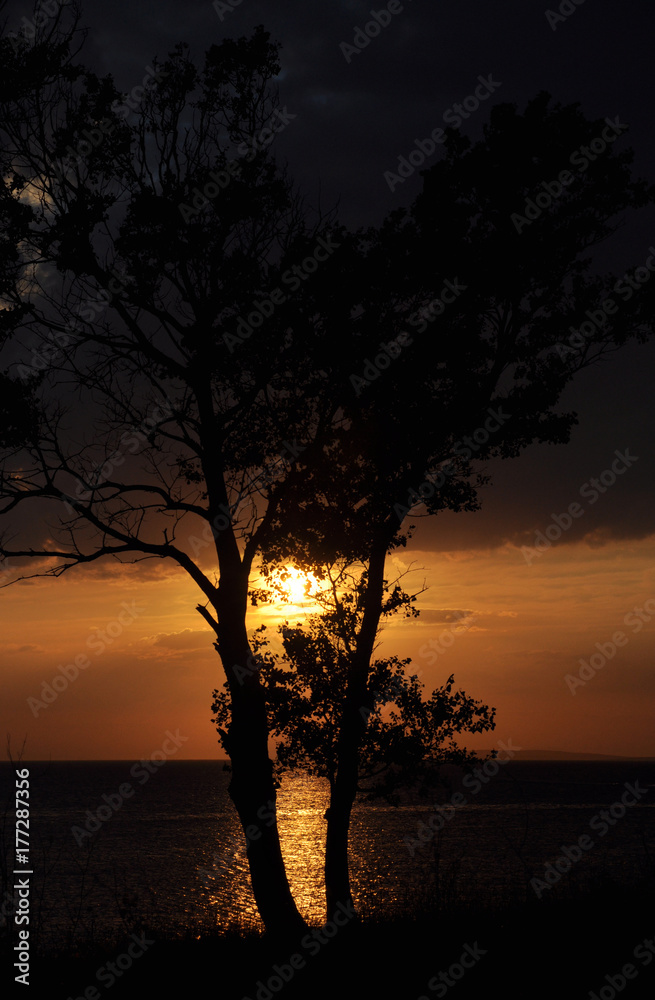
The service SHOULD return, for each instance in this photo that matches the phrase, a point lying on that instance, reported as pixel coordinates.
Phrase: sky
(518, 601)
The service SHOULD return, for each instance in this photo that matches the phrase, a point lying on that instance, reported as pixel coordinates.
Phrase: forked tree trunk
(251, 787)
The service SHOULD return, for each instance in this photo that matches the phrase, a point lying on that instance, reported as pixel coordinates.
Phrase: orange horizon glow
(509, 632)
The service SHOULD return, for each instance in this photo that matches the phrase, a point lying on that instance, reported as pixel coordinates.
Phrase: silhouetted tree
(177, 366)
(407, 737)
(485, 305)
(139, 250)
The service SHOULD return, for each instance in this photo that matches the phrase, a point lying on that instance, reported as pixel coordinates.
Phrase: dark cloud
(354, 119)
(29, 647)
(616, 415)
(448, 616)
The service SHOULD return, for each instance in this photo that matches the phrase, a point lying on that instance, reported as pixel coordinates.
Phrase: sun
(295, 586)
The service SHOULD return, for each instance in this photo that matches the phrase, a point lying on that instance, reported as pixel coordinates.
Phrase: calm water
(173, 853)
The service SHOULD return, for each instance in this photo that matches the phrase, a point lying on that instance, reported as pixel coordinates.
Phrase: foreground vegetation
(555, 948)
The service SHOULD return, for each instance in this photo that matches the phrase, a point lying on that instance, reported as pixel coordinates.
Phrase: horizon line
(522, 754)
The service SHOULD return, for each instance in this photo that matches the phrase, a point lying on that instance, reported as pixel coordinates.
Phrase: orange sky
(528, 627)
(529, 624)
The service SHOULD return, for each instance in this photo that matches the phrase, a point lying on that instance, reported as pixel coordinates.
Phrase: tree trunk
(353, 725)
(251, 788)
(337, 872)
(253, 793)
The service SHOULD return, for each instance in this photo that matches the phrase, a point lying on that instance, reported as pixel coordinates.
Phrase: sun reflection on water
(379, 873)
(301, 811)
(224, 876)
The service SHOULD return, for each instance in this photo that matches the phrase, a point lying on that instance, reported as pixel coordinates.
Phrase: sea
(172, 855)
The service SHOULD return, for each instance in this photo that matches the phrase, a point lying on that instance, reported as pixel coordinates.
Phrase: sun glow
(296, 587)
(293, 587)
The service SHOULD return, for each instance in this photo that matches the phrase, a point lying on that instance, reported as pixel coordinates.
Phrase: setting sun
(293, 586)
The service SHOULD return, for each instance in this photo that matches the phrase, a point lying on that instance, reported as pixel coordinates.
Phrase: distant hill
(569, 755)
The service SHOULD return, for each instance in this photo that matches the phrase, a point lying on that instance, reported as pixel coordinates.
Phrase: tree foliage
(407, 737)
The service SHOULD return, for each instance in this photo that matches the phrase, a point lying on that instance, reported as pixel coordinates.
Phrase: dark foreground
(594, 947)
